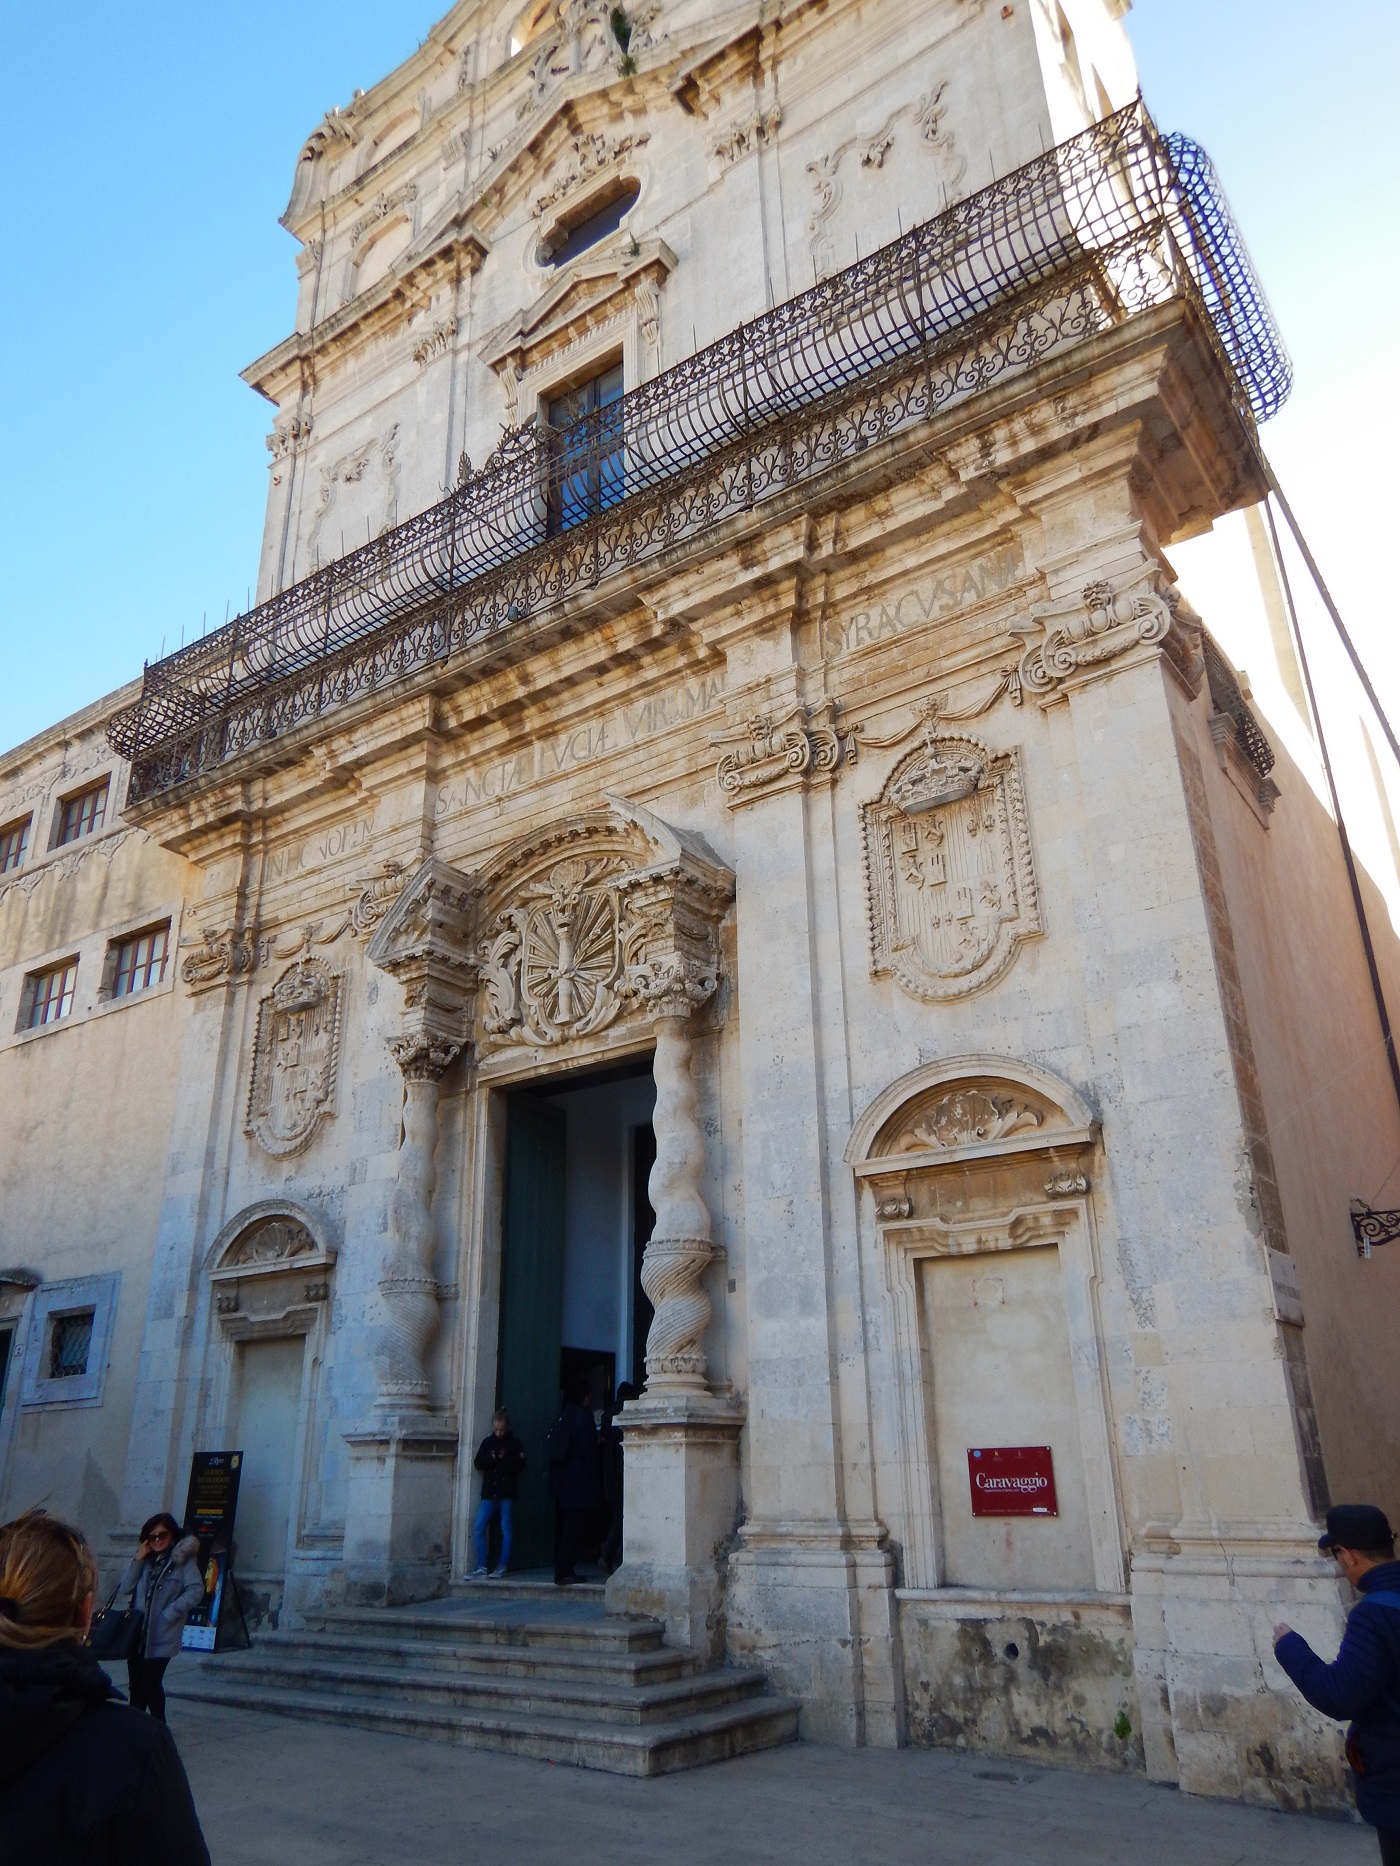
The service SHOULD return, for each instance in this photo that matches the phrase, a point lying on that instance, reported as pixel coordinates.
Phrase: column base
(398, 1517)
(1219, 1716)
(814, 1604)
(681, 1455)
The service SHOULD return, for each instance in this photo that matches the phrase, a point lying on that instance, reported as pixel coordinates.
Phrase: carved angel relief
(951, 883)
(295, 1057)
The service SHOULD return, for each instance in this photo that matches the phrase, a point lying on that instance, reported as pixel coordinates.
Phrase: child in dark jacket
(500, 1459)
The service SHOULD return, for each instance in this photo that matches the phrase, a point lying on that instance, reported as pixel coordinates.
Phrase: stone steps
(533, 1675)
(656, 1666)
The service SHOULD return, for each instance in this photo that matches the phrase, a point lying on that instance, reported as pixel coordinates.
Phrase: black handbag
(115, 1633)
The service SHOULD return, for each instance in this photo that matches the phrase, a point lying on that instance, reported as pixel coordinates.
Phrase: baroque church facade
(722, 858)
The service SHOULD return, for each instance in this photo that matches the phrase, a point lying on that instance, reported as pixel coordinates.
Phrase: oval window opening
(594, 220)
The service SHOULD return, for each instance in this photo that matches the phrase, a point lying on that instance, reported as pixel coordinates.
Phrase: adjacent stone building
(722, 858)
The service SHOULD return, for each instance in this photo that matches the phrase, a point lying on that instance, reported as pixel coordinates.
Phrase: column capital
(423, 1057)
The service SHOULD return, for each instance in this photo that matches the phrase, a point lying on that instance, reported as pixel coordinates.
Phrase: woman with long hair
(83, 1780)
(168, 1586)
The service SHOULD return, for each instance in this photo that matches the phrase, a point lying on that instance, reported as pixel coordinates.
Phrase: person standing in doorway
(1363, 1682)
(575, 1479)
(500, 1458)
(168, 1586)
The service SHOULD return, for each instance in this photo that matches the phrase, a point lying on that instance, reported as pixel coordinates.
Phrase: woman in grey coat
(168, 1587)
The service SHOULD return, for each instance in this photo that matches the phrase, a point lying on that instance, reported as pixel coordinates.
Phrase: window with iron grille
(586, 466)
(70, 1343)
(81, 814)
(14, 839)
(48, 995)
(140, 961)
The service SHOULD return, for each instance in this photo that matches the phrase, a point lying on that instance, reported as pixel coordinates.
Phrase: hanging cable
(1354, 880)
(1330, 606)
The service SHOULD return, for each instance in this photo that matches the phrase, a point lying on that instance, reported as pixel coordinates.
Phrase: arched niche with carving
(270, 1271)
(990, 1159)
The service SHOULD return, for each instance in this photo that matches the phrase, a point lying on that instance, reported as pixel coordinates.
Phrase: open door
(532, 1309)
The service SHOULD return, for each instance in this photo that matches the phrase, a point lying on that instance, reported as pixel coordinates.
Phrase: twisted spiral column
(410, 1312)
(679, 1250)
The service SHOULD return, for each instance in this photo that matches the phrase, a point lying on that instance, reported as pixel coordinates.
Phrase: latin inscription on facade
(572, 747)
(327, 845)
(943, 595)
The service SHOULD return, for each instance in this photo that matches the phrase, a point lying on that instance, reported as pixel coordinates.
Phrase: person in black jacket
(84, 1781)
(610, 1449)
(575, 1479)
(500, 1459)
(1363, 1683)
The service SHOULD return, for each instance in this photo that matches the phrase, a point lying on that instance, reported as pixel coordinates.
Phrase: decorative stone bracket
(773, 752)
(1072, 639)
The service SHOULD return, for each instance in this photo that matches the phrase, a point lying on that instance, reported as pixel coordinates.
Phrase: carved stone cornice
(1072, 640)
(774, 752)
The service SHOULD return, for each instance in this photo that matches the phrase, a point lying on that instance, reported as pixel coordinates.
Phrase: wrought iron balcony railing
(1115, 221)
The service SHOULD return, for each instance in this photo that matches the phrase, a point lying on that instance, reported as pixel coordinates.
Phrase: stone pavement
(274, 1793)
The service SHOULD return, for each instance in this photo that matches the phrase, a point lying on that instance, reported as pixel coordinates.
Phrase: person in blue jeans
(1363, 1682)
(500, 1459)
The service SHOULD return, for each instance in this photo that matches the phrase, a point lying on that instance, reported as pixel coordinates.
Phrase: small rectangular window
(48, 995)
(14, 839)
(82, 814)
(140, 961)
(70, 1343)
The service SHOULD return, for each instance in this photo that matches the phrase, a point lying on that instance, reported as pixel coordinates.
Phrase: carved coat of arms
(295, 1056)
(553, 963)
(951, 883)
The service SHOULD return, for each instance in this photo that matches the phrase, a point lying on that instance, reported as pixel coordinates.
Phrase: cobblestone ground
(274, 1793)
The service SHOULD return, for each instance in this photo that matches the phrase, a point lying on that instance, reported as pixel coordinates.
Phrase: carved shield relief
(295, 1056)
(949, 872)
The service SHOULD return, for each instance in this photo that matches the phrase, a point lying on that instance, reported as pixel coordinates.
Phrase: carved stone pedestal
(398, 1517)
(681, 1453)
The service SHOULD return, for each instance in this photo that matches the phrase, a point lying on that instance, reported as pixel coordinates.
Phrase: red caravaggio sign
(1012, 1480)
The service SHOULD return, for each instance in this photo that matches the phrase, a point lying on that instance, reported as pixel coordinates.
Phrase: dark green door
(532, 1309)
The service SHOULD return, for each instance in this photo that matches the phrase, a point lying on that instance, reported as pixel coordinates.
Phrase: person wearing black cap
(1363, 1684)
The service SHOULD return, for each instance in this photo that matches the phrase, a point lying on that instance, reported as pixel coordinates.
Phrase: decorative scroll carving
(374, 897)
(381, 210)
(772, 753)
(967, 1118)
(746, 137)
(589, 155)
(435, 342)
(295, 1056)
(1067, 1185)
(289, 437)
(587, 39)
(1079, 633)
(222, 953)
(275, 1241)
(927, 113)
(951, 882)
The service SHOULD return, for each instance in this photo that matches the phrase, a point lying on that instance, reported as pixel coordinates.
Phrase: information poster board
(209, 1514)
(1012, 1480)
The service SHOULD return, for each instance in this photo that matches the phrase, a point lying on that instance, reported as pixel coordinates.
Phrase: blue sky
(151, 150)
